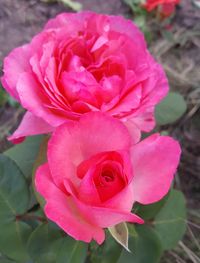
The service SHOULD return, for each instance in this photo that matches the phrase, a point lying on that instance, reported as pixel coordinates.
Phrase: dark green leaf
(4, 259)
(25, 153)
(46, 245)
(149, 211)
(170, 222)
(14, 199)
(14, 194)
(146, 247)
(70, 251)
(40, 241)
(108, 252)
(170, 109)
(13, 239)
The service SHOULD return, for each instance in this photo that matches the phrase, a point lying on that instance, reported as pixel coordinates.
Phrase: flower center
(108, 176)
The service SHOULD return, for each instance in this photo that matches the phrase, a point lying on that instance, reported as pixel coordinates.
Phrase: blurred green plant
(5, 98)
(140, 17)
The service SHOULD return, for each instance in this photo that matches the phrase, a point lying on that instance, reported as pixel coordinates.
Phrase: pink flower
(80, 63)
(166, 7)
(95, 174)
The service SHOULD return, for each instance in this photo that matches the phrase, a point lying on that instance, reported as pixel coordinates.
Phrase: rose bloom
(80, 63)
(94, 174)
(166, 7)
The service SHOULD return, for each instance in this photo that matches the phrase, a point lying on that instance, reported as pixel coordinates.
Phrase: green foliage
(170, 222)
(145, 247)
(6, 260)
(14, 199)
(25, 153)
(108, 252)
(14, 194)
(40, 242)
(3, 97)
(170, 109)
(13, 238)
(71, 251)
(47, 245)
(135, 5)
(140, 17)
(148, 212)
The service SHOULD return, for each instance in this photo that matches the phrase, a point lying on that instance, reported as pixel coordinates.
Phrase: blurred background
(174, 42)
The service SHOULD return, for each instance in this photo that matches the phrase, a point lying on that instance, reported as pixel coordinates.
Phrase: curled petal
(63, 210)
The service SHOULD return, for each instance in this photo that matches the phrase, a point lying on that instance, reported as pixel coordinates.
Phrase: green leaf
(39, 243)
(150, 211)
(71, 251)
(146, 247)
(5, 260)
(108, 252)
(13, 239)
(170, 222)
(14, 193)
(3, 97)
(120, 234)
(14, 199)
(25, 153)
(170, 109)
(47, 245)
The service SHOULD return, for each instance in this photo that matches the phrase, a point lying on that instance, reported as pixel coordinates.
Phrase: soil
(21, 19)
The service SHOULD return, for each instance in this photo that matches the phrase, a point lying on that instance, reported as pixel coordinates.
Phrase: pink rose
(94, 174)
(80, 63)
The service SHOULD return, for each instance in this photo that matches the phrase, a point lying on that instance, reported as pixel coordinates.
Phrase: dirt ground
(21, 19)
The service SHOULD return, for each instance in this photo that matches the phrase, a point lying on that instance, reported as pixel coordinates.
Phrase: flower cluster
(89, 81)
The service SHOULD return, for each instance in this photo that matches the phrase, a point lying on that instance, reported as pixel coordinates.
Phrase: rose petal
(15, 64)
(154, 161)
(33, 99)
(98, 137)
(62, 209)
(79, 143)
(87, 191)
(30, 125)
(95, 214)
